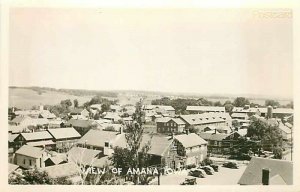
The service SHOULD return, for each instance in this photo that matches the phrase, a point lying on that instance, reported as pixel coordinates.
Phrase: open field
(26, 98)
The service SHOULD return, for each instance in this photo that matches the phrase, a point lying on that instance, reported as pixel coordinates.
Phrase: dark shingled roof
(253, 173)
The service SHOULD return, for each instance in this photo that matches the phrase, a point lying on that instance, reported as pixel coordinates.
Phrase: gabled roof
(206, 108)
(41, 143)
(213, 136)
(56, 160)
(284, 128)
(190, 140)
(244, 115)
(64, 133)
(159, 143)
(97, 138)
(82, 156)
(80, 123)
(17, 128)
(12, 168)
(47, 114)
(19, 119)
(36, 135)
(110, 115)
(277, 180)
(205, 118)
(163, 107)
(263, 110)
(30, 151)
(76, 110)
(167, 119)
(163, 120)
(11, 137)
(253, 173)
(62, 170)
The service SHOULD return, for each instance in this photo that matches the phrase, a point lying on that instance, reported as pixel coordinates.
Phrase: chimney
(269, 112)
(265, 176)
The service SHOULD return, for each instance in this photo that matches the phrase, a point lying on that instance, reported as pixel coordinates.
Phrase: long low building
(262, 111)
(201, 121)
(204, 109)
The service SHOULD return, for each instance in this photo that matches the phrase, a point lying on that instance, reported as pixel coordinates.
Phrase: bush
(191, 166)
(207, 161)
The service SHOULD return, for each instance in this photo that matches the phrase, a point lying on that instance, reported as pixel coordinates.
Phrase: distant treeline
(76, 92)
(180, 104)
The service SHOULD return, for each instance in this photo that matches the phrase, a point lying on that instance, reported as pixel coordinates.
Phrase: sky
(205, 51)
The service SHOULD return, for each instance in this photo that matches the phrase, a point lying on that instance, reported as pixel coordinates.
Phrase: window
(24, 161)
(30, 163)
(106, 144)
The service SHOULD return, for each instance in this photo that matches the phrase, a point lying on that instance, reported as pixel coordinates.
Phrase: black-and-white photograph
(150, 96)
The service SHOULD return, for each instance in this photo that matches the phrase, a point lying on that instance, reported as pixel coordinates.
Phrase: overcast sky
(187, 50)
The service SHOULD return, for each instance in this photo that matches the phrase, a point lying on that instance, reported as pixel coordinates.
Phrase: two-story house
(170, 125)
(29, 157)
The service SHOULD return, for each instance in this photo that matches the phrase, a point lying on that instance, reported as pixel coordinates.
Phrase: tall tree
(75, 102)
(267, 133)
(272, 103)
(66, 103)
(134, 156)
(241, 102)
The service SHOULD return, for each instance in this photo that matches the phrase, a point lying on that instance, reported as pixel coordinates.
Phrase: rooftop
(82, 156)
(262, 110)
(190, 140)
(205, 118)
(158, 143)
(62, 170)
(253, 172)
(64, 133)
(97, 137)
(206, 108)
(36, 135)
(30, 151)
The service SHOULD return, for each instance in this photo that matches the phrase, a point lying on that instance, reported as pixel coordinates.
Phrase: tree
(75, 103)
(36, 177)
(218, 104)
(134, 155)
(192, 129)
(236, 124)
(66, 103)
(97, 116)
(272, 103)
(105, 107)
(268, 134)
(241, 102)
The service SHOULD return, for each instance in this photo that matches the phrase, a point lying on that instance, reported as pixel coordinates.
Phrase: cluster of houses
(37, 138)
